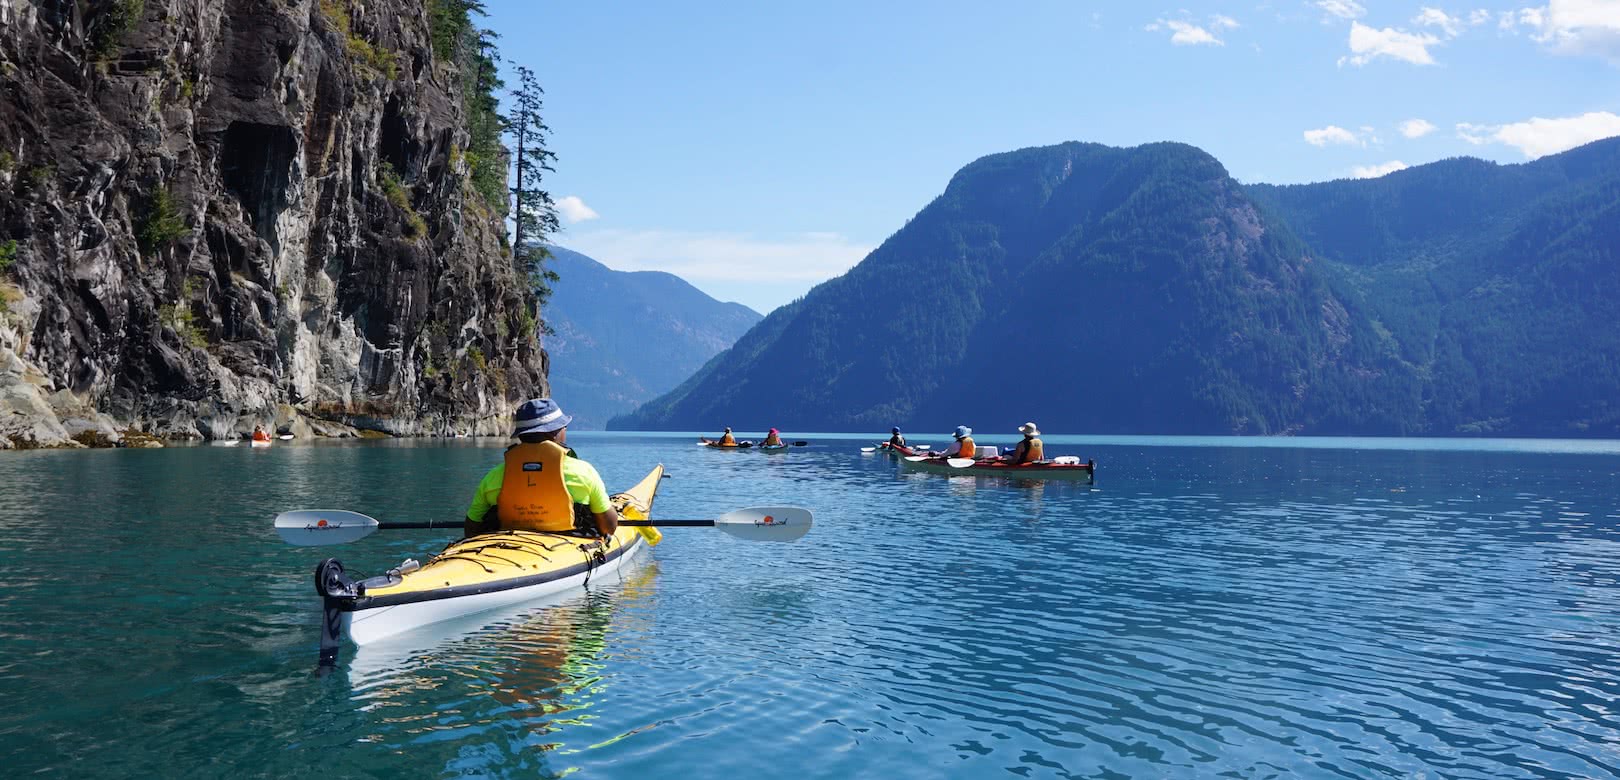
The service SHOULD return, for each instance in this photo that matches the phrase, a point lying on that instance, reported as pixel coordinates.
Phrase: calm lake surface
(1275, 607)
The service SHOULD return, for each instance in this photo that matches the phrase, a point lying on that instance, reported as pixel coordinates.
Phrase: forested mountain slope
(1089, 287)
(1142, 290)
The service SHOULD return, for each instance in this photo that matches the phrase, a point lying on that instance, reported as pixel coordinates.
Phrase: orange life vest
(772, 441)
(728, 439)
(261, 436)
(1032, 450)
(966, 449)
(533, 495)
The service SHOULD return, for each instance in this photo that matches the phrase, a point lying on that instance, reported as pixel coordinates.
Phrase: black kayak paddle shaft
(457, 524)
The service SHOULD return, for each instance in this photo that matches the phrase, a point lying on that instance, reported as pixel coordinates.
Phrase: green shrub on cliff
(364, 52)
(108, 30)
(376, 58)
(394, 189)
(8, 255)
(162, 223)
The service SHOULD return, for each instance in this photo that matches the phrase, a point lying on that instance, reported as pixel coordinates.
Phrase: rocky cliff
(222, 213)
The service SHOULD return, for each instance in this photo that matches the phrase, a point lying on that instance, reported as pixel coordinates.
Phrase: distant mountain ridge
(1142, 290)
(623, 337)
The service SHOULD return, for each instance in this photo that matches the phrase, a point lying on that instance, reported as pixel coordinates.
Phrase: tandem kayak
(748, 445)
(478, 574)
(1061, 468)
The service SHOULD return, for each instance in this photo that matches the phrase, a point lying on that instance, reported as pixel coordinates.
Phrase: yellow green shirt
(584, 487)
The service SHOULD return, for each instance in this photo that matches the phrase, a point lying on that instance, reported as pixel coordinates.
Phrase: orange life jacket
(772, 441)
(1031, 450)
(261, 436)
(728, 439)
(966, 450)
(533, 495)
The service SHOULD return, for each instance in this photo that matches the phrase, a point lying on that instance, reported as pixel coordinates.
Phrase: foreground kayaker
(773, 438)
(895, 439)
(726, 439)
(1029, 450)
(542, 485)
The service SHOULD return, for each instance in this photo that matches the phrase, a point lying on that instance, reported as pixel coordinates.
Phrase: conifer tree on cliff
(534, 215)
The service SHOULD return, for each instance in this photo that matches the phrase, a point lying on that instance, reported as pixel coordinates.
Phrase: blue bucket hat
(963, 430)
(541, 415)
(894, 430)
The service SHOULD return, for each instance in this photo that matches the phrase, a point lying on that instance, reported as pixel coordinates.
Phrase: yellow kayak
(478, 574)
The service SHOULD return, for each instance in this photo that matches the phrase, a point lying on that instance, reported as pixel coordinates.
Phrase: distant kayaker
(727, 440)
(963, 446)
(1030, 449)
(259, 434)
(772, 439)
(896, 441)
(542, 485)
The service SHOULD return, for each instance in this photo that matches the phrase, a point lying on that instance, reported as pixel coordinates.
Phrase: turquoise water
(1352, 608)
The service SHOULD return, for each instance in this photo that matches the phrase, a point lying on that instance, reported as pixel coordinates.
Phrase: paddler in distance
(963, 446)
(1029, 450)
(259, 434)
(896, 441)
(726, 439)
(541, 485)
(773, 438)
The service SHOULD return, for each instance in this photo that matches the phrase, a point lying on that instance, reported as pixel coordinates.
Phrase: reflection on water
(1204, 611)
(535, 671)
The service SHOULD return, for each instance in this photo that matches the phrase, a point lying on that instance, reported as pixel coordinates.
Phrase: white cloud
(1186, 33)
(1220, 22)
(1416, 128)
(574, 210)
(1478, 17)
(725, 257)
(1332, 134)
(1434, 17)
(1537, 137)
(1343, 9)
(1573, 26)
(1375, 171)
(1368, 44)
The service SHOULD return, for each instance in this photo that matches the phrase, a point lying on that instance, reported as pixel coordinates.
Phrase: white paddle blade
(915, 458)
(313, 527)
(766, 523)
(868, 449)
(958, 463)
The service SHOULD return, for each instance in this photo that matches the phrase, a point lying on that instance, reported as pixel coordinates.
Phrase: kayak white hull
(1067, 473)
(370, 625)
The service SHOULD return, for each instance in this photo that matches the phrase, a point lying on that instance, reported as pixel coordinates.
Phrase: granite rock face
(237, 212)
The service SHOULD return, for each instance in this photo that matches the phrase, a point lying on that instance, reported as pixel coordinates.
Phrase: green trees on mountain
(1144, 291)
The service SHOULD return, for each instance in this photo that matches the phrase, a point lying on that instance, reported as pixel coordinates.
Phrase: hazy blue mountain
(624, 337)
(1096, 289)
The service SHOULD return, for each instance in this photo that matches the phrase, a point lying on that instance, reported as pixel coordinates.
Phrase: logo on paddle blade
(767, 520)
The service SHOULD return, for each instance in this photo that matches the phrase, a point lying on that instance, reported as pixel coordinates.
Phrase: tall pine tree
(534, 214)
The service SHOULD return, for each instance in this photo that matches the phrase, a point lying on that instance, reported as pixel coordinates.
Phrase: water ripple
(1205, 611)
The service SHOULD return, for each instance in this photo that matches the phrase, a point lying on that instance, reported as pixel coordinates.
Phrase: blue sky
(757, 149)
